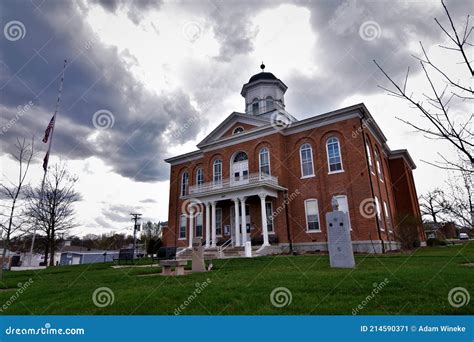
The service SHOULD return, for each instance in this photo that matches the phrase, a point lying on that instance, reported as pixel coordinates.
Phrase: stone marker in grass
(341, 254)
(198, 256)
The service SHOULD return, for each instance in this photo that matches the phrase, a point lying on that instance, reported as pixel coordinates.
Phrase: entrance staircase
(225, 251)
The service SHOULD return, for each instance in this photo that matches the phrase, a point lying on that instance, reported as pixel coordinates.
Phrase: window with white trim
(269, 211)
(198, 219)
(377, 164)
(264, 161)
(387, 214)
(344, 207)
(182, 227)
(312, 215)
(199, 177)
(369, 156)
(217, 171)
(306, 159)
(334, 155)
(184, 183)
(378, 212)
(219, 221)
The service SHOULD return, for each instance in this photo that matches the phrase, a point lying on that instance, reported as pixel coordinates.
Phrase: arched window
(184, 183)
(334, 155)
(269, 103)
(264, 161)
(306, 159)
(378, 165)
(369, 156)
(199, 177)
(217, 176)
(241, 156)
(238, 130)
(378, 212)
(255, 110)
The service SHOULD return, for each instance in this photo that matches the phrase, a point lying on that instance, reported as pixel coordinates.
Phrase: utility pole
(135, 218)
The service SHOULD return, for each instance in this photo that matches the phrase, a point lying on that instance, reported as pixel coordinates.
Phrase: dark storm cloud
(97, 78)
(135, 9)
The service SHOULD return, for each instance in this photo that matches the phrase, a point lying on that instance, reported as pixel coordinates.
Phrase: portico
(208, 196)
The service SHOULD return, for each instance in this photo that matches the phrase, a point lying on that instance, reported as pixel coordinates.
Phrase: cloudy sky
(138, 72)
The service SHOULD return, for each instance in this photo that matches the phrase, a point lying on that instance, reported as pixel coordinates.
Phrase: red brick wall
(405, 196)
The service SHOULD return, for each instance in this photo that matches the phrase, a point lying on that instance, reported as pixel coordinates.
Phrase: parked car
(463, 236)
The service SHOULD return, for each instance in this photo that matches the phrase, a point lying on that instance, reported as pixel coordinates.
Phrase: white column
(244, 220)
(237, 223)
(213, 242)
(208, 225)
(264, 219)
(191, 226)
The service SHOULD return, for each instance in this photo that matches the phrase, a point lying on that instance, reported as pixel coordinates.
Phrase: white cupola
(263, 93)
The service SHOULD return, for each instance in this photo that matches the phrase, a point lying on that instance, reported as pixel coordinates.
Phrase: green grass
(417, 283)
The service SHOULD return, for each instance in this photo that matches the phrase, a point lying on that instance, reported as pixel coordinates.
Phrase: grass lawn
(414, 283)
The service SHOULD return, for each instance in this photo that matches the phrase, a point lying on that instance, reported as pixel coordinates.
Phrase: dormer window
(238, 130)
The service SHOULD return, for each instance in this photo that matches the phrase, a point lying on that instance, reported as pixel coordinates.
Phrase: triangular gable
(232, 121)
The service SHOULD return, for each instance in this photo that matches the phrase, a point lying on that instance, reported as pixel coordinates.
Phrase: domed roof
(262, 76)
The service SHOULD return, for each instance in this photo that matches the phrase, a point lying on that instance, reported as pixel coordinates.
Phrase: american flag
(48, 130)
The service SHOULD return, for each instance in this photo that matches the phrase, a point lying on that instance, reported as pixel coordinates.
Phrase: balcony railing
(254, 178)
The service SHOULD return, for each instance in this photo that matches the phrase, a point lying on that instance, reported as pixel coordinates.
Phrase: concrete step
(212, 253)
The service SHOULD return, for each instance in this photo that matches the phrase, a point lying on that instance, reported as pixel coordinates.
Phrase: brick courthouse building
(282, 173)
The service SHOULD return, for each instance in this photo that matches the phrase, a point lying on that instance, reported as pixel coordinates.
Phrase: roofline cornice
(357, 110)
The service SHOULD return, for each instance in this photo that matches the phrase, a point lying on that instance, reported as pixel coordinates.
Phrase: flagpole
(45, 163)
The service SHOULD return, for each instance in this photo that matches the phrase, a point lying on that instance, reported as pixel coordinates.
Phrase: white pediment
(230, 121)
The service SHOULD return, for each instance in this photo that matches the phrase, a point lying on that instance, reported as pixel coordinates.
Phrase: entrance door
(240, 168)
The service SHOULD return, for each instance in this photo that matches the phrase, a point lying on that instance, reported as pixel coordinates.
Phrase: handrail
(254, 178)
(223, 247)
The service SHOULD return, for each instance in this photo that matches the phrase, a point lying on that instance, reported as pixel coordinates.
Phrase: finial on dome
(262, 66)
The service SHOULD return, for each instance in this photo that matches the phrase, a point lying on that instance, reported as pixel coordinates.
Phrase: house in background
(264, 176)
(87, 257)
(443, 230)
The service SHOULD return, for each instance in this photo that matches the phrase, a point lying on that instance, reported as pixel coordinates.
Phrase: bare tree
(459, 198)
(51, 208)
(433, 205)
(151, 236)
(442, 123)
(24, 153)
